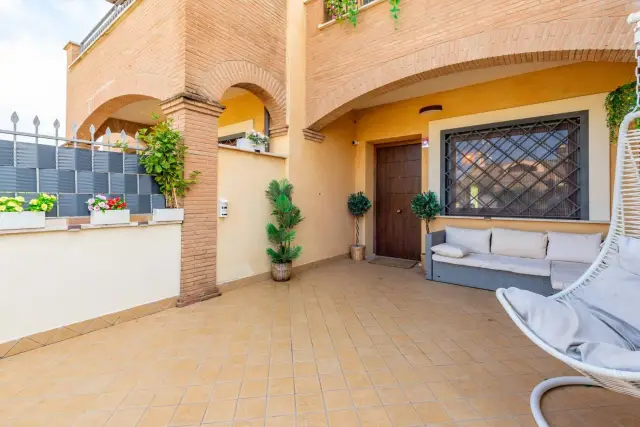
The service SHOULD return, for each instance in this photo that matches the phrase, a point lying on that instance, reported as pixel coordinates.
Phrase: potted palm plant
(282, 234)
(358, 205)
(425, 206)
(163, 158)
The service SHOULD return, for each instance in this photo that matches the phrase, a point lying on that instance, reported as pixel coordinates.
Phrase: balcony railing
(328, 15)
(114, 13)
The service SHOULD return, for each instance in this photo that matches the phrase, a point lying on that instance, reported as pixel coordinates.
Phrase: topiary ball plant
(426, 206)
(358, 205)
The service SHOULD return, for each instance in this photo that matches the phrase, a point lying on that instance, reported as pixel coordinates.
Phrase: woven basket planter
(281, 272)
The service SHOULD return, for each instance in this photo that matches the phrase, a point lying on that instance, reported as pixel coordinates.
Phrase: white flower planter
(21, 220)
(163, 215)
(247, 144)
(111, 217)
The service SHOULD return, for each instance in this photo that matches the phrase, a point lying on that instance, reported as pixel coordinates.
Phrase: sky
(33, 34)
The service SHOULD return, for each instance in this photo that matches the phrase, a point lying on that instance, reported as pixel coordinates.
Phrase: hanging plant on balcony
(341, 10)
(618, 104)
(394, 10)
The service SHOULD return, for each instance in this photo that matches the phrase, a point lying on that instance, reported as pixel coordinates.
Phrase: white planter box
(111, 217)
(247, 144)
(21, 220)
(161, 215)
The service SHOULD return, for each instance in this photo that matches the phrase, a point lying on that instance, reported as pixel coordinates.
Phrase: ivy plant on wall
(347, 10)
(618, 104)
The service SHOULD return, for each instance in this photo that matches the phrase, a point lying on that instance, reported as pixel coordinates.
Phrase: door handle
(399, 211)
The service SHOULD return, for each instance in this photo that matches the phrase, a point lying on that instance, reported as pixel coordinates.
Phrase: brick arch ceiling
(119, 93)
(253, 78)
(550, 41)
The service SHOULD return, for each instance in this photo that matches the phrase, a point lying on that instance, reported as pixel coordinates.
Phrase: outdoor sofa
(500, 258)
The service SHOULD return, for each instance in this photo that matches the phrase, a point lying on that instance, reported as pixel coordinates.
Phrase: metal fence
(118, 9)
(74, 169)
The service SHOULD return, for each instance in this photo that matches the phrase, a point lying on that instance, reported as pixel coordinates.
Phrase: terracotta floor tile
(344, 418)
(157, 416)
(460, 409)
(223, 391)
(255, 388)
(251, 408)
(382, 378)
(188, 414)
(220, 410)
(432, 412)
(403, 416)
(282, 421)
(332, 382)
(312, 420)
(337, 399)
(108, 401)
(365, 397)
(374, 417)
(138, 398)
(93, 419)
(307, 384)
(197, 394)
(125, 417)
(167, 396)
(280, 405)
(309, 403)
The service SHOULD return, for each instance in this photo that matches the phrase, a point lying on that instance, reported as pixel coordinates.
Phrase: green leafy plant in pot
(164, 159)
(358, 205)
(282, 234)
(425, 206)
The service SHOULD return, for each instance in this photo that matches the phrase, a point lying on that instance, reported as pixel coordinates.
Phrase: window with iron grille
(532, 168)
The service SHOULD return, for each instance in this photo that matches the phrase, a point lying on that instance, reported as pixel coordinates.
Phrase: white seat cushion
(449, 250)
(476, 241)
(532, 267)
(565, 273)
(525, 244)
(573, 247)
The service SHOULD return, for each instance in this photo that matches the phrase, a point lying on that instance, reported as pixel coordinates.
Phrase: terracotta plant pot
(357, 252)
(281, 272)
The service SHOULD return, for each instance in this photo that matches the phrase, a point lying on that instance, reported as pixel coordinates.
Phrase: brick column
(197, 119)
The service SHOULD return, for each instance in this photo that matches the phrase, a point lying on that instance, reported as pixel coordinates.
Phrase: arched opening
(244, 113)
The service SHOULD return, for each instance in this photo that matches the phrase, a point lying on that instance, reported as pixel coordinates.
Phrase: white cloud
(33, 71)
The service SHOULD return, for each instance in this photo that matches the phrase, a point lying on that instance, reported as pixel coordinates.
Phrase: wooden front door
(398, 179)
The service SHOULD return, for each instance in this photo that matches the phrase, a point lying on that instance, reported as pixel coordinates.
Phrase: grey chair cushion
(599, 325)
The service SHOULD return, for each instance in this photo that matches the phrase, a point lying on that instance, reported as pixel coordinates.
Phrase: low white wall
(54, 279)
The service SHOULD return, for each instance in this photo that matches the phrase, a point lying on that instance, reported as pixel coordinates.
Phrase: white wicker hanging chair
(625, 221)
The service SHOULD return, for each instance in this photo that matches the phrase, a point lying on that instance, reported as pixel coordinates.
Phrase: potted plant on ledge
(163, 159)
(14, 217)
(358, 205)
(108, 211)
(281, 234)
(425, 206)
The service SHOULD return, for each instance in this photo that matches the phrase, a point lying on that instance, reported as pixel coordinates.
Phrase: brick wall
(142, 57)
(434, 38)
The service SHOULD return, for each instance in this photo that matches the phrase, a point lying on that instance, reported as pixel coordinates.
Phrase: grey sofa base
(480, 278)
(491, 280)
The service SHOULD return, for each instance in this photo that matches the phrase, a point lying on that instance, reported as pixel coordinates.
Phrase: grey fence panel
(74, 170)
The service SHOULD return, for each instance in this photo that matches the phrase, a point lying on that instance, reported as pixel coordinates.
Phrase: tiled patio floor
(342, 345)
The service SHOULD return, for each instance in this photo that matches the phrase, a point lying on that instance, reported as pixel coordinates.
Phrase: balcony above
(119, 7)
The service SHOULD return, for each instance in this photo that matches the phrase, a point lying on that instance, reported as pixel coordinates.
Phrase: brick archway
(573, 40)
(116, 94)
(255, 79)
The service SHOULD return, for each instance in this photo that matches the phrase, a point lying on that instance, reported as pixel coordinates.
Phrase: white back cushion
(523, 244)
(573, 247)
(476, 241)
(629, 254)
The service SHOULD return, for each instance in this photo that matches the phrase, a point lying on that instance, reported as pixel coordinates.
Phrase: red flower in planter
(116, 204)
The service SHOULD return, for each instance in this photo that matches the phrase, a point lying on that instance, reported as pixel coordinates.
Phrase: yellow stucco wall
(242, 239)
(242, 108)
(400, 121)
(323, 176)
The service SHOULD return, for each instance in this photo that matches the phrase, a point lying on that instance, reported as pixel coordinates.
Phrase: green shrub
(287, 216)
(426, 206)
(358, 205)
